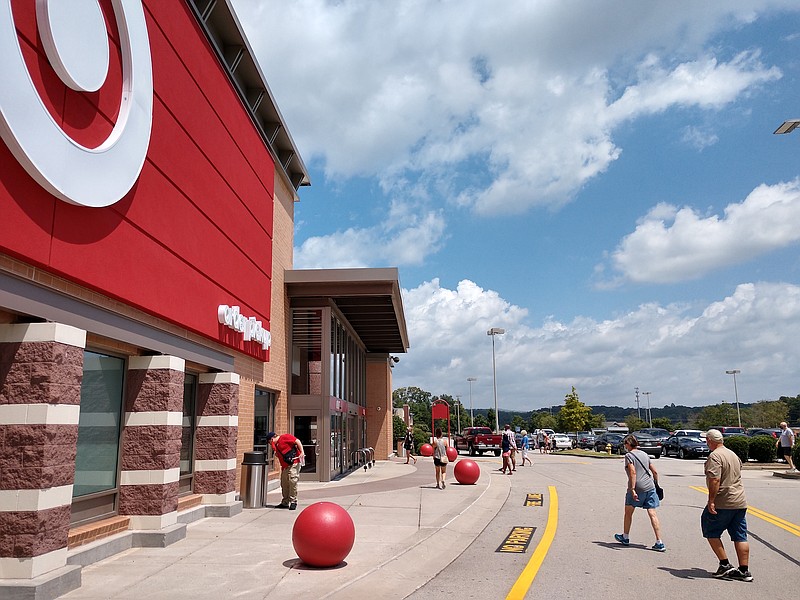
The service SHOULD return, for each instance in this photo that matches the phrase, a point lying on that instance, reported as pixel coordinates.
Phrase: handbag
(289, 455)
(659, 491)
(442, 455)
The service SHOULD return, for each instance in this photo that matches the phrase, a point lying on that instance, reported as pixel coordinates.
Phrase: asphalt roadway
(554, 522)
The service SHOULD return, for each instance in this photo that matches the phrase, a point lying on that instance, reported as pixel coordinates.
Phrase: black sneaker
(293, 506)
(737, 575)
(724, 570)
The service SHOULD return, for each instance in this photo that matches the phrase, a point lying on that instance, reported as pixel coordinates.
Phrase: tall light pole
(736, 394)
(493, 332)
(458, 414)
(638, 410)
(471, 416)
(649, 416)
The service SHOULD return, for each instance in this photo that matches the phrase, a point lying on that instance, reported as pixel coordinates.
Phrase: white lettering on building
(252, 329)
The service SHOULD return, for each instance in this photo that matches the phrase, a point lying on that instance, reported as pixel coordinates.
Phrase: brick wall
(273, 375)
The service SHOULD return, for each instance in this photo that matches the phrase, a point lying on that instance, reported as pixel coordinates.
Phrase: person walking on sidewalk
(785, 444)
(440, 457)
(408, 444)
(642, 479)
(525, 443)
(289, 451)
(505, 448)
(726, 509)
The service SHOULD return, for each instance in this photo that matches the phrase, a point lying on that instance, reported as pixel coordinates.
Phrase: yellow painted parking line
(757, 512)
(523, 583)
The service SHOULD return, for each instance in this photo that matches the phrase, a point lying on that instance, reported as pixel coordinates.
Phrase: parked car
(685, 446)
(561, 441)
(689, 432)
(774, 433)
(615, 439)
(724, 430)
(586, 440)
(573, 438)
(659, 434)
(649, 444)
(477, 440)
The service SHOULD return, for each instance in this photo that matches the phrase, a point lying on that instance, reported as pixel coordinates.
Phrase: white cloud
(699, 138)
(403, 239)
(678, 352)
(671, 244)
(414, 89)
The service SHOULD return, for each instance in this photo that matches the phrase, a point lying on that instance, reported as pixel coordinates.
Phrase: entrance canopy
(368, 298)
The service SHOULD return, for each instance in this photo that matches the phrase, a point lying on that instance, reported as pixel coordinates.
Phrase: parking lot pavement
(584, 560)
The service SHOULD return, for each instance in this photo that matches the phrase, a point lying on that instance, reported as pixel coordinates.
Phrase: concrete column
(151, 441)
(379, 405)
(41, 368)
(215, 439)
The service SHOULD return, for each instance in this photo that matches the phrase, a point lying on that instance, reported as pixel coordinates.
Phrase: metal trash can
(254, 466)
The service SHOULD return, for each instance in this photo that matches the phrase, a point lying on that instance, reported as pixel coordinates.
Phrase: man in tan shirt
(726, 509)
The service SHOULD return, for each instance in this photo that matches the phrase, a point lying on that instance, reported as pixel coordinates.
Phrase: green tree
(574, 415)
(765, 413)
(664, 423)
(482, 421)
(548, 421)
(419, 404)
(517, 421)
(490, 419)
(719, 415)
(398, 428)
(793, 405)
(634, 423)
(596, 420)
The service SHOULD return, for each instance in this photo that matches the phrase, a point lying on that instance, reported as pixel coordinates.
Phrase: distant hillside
(675, 413)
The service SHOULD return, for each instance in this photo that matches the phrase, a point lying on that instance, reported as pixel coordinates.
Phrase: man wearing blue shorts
(726, 509)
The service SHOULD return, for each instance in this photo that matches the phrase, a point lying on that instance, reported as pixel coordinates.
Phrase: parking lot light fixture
(735, 389)
(493, 332)
(787, 126)
(471, 416)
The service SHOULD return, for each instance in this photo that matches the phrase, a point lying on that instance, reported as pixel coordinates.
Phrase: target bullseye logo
(75, 41)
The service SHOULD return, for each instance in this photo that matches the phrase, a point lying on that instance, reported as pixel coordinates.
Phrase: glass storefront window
(307, 351)
(99, 424)
(264, 419)
(187, 423)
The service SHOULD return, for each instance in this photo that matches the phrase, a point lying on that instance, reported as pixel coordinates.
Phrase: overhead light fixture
(788, 126)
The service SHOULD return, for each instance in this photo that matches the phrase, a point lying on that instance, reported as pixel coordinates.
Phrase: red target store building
(152, 329)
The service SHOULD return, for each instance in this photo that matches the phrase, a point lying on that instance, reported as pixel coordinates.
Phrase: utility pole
(638, 410)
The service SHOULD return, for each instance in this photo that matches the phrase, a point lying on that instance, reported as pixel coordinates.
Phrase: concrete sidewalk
(407, 531)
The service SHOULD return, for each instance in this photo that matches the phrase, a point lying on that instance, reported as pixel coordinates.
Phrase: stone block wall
(41, 368)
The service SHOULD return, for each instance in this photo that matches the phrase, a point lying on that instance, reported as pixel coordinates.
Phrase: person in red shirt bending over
(289, 451)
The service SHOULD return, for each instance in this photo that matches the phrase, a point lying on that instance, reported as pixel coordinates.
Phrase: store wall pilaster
(151, 441)
(379, 405)
(215, 440)
(41, 368)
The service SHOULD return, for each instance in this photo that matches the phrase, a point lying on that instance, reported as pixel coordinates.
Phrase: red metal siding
(196, 229)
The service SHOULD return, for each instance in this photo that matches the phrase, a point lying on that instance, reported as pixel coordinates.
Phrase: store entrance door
(305, 425)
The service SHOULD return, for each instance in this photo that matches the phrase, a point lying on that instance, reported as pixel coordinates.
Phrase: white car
(561, 441)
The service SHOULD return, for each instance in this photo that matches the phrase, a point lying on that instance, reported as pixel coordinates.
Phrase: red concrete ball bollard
(426, 450)
(323, 534)
(452, 454)
(467, 472)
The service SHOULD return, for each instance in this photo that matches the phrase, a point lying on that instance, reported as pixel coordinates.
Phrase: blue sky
(600, 179)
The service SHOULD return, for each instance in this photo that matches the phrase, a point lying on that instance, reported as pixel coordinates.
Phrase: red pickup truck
(477, 440)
